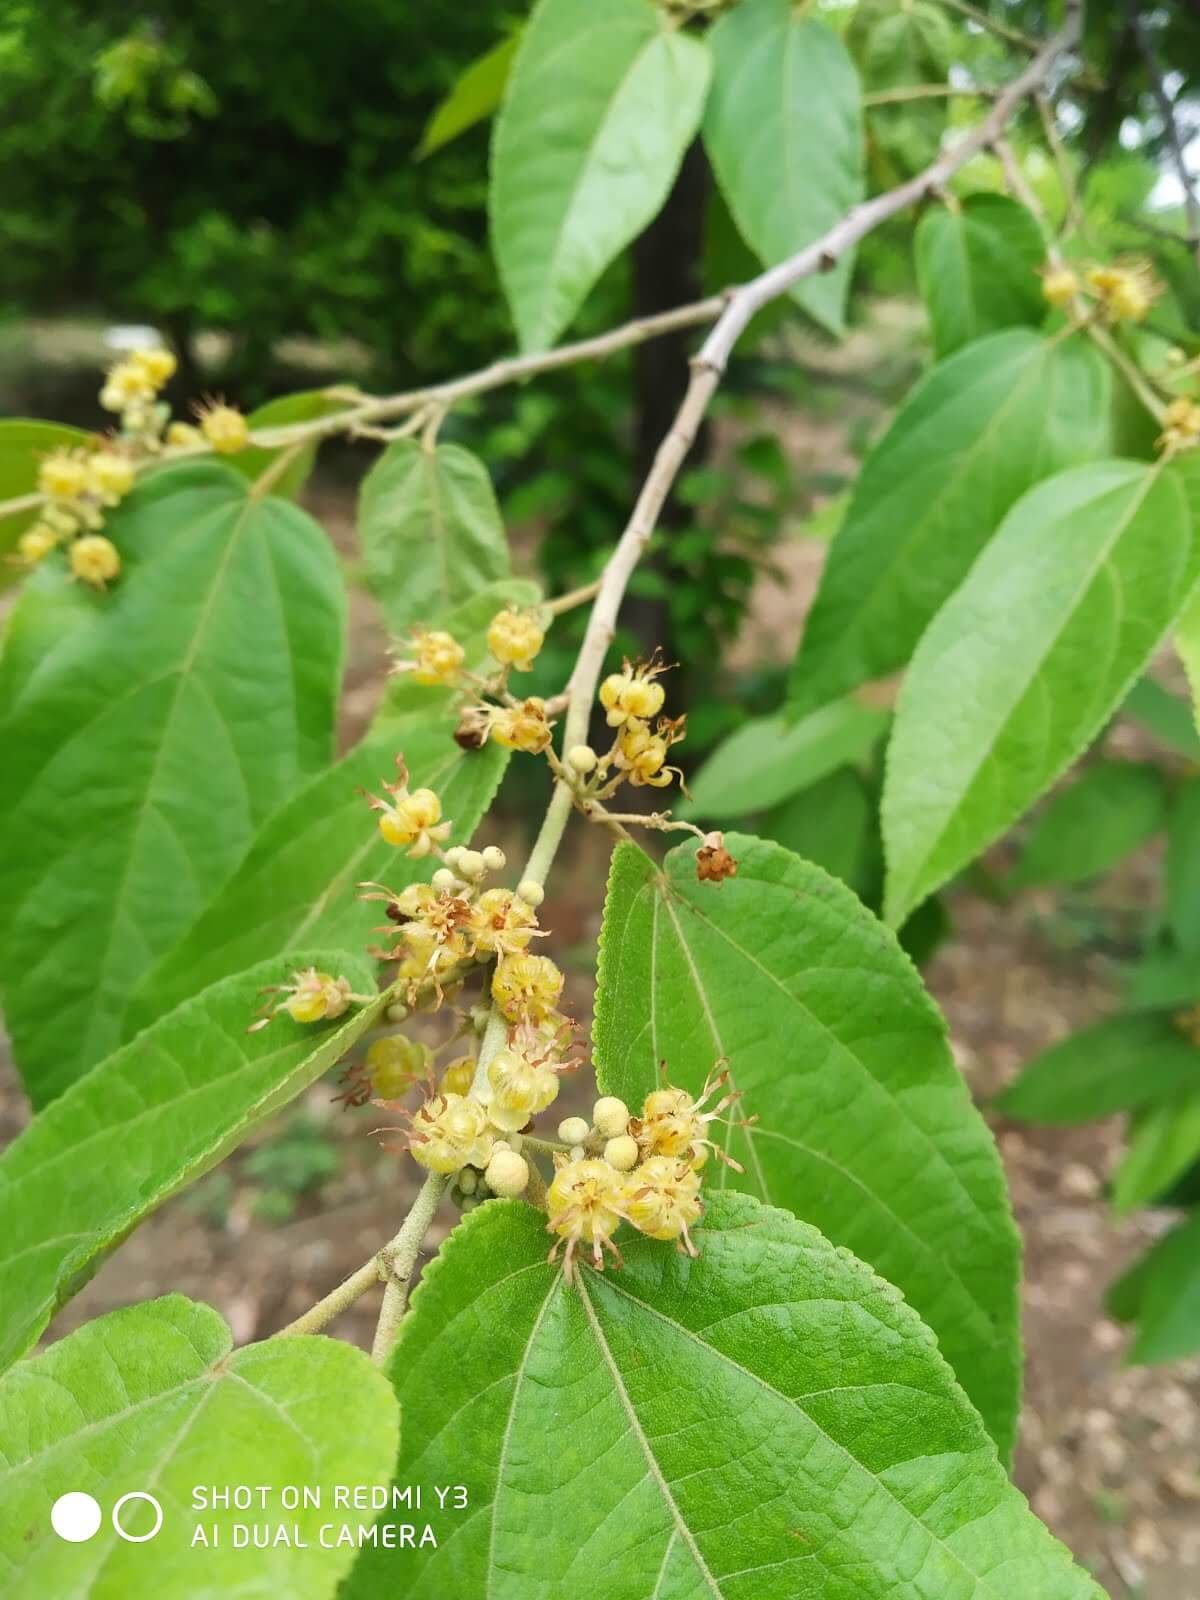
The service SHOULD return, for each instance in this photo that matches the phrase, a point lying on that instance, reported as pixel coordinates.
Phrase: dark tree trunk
(667, 271)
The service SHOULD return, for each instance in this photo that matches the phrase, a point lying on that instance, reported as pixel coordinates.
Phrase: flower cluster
(644, 1170)
(632, 699)
(79, 485)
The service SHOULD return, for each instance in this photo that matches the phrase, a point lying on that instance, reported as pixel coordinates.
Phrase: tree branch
(708, 366)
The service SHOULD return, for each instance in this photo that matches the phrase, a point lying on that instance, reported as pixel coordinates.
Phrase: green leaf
(865, 1125)
(1026, 662)
(971, 438)
(144, 752)
(1165, 976)
(1162, 1292)
(1164, 715)
(833, 824)
(150, 1119)
(475, 95)
(1183, 871)
(1187, 648)
(977, 267)
(305, 406)
(430, 530)
(599, 110)
(765, 1422)
(23, 443)
(1086, 829)
(1163, 1143)
(1116, 1065)
(297, 883)
(783, 129)
(154, 1398)
(765, 761)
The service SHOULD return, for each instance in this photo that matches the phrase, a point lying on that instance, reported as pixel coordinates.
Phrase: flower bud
(573, 1130)
(507, 1173)
(582, 757)
(471, 865)
(531, 891)
(622, 1153)
(494, 858)
(444, 881)
(610, 1116)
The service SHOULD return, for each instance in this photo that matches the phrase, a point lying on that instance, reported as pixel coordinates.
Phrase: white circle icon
(137, 1538)
(75, 1516)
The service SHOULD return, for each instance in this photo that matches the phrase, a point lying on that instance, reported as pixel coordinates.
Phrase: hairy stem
(337, 1300)
(400, 1259)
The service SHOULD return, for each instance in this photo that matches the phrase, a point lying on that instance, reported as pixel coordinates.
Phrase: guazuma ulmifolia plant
(462, 944)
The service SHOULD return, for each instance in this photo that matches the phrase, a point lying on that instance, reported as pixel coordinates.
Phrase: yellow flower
(584, 1205)
(124, 385)
(1181, 425)
(437, 658)
(450, 1132)
(662, 1199)
(1125, 293)
(110, 476)
(633, 692)
(394, 1063)
(515, 637)
(413, 820)
(518, 1089)
(63, 475)
(36, 543)
(526, 988)
(675, 1123)
(458, 1076)
(643, 754)
(181, 434)
(311, 996)
(522, 727)
(157, 364)
(225, 428)
(500, 923)
(95, 559)
(1059, 285)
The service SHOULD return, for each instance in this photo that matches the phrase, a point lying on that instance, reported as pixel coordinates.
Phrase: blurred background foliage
(251, 182)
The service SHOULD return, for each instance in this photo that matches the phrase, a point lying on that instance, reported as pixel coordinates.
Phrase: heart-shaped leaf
(767, 1421)
(145, 750)
(154, 1400)
(599, 109)
(864, 1124)
(783, 129)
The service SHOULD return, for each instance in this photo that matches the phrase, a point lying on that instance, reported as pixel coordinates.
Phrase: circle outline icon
(76, 1516)
(136, 1538)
